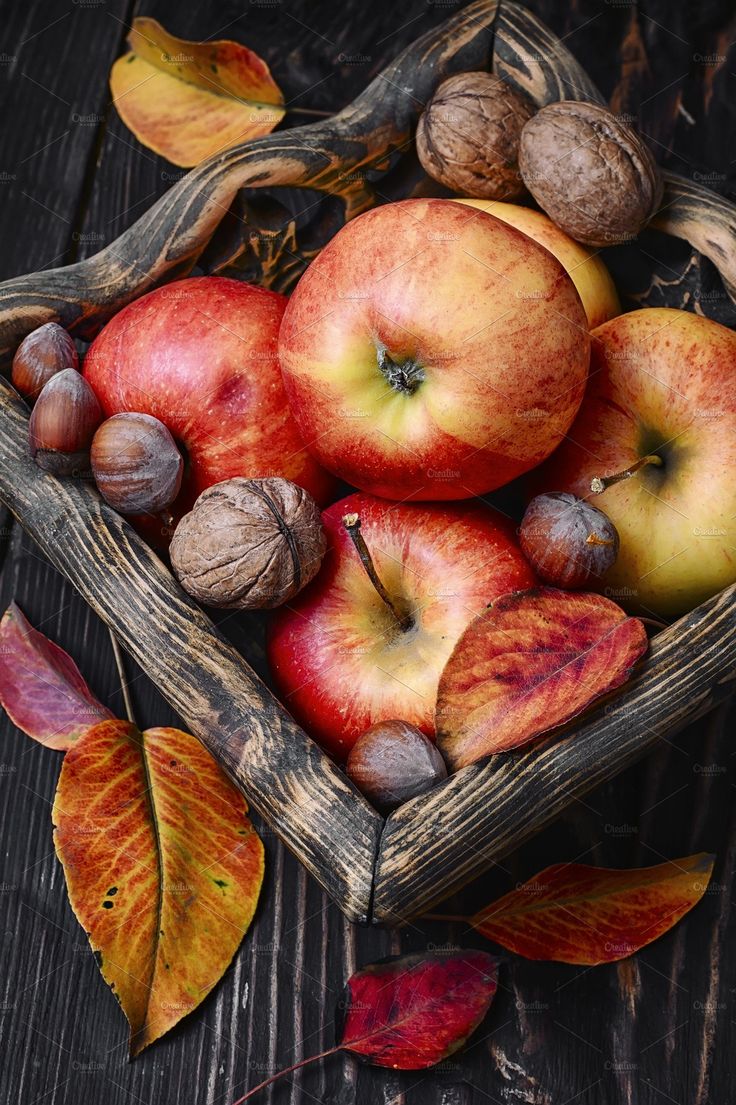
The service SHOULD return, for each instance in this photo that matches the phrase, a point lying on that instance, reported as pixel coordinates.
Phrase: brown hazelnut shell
(42, 353)
(394, 761)
(569, 542)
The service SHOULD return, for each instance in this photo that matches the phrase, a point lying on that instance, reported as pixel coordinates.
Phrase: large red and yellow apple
(342, 659)
(663, 386)
(200, 355)
(588, 272)
(432, 351)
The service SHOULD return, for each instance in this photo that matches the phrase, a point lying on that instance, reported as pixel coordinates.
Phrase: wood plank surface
(654, 1029)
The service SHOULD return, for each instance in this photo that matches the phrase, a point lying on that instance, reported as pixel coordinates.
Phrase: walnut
(248, 544)
(590, 172)
(468, 136)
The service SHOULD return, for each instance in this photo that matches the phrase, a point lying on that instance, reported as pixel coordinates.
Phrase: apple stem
(351, 523)
(599, 483)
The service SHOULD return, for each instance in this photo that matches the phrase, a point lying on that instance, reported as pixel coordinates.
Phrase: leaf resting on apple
(529, 663)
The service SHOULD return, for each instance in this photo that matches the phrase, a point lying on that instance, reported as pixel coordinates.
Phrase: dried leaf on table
(189, 100)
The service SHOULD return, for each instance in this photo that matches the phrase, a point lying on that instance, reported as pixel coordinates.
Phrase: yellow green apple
(661, 395)
(589, 274)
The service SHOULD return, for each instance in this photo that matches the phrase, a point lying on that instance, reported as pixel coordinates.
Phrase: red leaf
(410, 1012)
(41, 687)
(573, 913)
(529, 663)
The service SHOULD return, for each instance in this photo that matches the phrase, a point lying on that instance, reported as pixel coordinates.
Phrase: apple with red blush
(367, 640)
(200, 355)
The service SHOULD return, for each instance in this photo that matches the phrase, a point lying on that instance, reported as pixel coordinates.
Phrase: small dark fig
(394, 761)
(40, 355)
(62, 424)
(569, 542)
(136, 464)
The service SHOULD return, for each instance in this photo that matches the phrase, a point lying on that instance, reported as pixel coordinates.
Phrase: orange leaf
(573, 913)
(162, 866)
(188, 100)
(529, 663)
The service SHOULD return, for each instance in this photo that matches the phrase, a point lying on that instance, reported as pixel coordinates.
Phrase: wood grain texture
(300, 792)
(656, 1029)
(432, 845)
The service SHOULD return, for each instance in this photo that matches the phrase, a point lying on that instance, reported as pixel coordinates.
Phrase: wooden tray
(376, 870)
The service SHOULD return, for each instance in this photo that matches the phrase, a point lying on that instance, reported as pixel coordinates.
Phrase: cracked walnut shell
(248, 543)
(590, 172)
(468, 136)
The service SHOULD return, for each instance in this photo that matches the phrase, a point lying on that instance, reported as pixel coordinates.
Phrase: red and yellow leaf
(41, 688)
(162, 866)
(529, 663)
(188, 100)
(574, 913)
(411, 1012)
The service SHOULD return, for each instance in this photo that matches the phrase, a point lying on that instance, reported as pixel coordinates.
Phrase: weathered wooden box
(377, 870)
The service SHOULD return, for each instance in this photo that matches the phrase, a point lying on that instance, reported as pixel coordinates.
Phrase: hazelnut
(62, 424)
(569, 542)
(468, 136)
(394, 761)
(248, 543)
(42, 353)
(136, 464)
(590, 172)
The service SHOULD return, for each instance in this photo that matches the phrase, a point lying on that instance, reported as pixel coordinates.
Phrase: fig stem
(351, 522)
(599, 483)
(124, 685)
(287, 1070)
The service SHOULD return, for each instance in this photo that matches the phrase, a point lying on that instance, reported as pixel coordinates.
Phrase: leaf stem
(599, 483)
(124, 686)
(309, 111)
(288, 1070)
(351, 522)
(444, 917)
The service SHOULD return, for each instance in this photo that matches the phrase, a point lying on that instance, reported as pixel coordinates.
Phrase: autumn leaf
(163, 868)
(162, 865)
(529, 663)
(409, 1012)
(189, 100)
(573, 913)
(41, 688)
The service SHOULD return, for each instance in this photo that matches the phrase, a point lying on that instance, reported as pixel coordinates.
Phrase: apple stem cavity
(599, 483)
(404, 376)
(351, 522)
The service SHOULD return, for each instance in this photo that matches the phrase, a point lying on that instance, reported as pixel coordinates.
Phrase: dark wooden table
(655, 1028)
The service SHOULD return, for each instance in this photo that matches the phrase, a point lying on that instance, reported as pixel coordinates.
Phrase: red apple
(340, 656)
(200, 355)
(432, 351)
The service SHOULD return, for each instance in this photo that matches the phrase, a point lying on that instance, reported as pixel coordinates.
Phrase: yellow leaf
(162, 865)
(188, 100)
